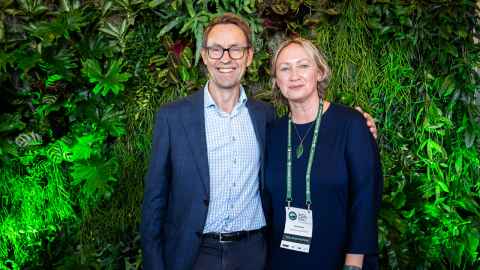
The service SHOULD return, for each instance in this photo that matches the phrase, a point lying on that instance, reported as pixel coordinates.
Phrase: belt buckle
(222, 241)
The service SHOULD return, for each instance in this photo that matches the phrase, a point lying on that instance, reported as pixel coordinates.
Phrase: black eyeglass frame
(244, 48)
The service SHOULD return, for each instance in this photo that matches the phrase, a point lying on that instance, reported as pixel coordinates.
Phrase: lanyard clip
(308, 205)
(289, 203)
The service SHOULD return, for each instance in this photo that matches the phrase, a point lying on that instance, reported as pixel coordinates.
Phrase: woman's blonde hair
(314, 53)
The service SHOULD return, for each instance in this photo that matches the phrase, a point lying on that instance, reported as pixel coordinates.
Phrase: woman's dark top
(346, 183)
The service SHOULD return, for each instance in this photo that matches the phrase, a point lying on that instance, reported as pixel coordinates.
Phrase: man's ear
(249, 56)
(204, 55)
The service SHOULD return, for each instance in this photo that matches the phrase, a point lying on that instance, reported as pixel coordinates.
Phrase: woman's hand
(370, 122)
(353, 261)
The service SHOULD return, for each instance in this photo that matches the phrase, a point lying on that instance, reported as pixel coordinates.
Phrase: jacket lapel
(259, 123)
(194, 125)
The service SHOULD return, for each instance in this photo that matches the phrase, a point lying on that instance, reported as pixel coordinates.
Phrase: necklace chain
(299, 148)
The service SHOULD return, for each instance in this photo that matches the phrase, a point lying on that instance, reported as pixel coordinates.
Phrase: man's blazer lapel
(259, 123)
(194, 125)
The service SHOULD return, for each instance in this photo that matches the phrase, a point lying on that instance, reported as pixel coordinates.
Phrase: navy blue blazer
(177, 187)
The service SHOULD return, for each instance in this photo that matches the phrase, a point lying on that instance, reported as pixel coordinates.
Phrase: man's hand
(370, 122)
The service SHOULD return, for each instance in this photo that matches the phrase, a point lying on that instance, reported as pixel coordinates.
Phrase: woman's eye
(304, 66)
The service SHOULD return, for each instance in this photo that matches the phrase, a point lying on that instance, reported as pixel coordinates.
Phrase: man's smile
(226, 69)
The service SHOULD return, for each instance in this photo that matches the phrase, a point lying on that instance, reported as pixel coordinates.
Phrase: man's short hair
(229, 18)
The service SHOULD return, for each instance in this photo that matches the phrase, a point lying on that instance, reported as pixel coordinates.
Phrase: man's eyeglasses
(235, 52)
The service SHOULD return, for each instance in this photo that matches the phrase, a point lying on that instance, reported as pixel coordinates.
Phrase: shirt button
(233, 138)
(234, 161)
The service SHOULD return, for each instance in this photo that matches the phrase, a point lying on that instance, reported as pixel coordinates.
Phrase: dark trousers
(246, 254)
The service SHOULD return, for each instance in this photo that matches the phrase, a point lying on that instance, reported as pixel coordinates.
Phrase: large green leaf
(61, 62)
(26, 58)
(94, 176)
(11, 122)
(169, 26)
(86, 146)
(113, 121)
(110, 81)
(5, 60)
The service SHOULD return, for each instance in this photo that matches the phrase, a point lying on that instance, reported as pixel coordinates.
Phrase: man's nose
(225, 57)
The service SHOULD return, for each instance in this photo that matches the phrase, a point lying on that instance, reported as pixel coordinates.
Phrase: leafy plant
(111, 81)
(55, 137)
(81, 83)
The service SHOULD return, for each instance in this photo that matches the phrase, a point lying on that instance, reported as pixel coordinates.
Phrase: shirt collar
(209, 102)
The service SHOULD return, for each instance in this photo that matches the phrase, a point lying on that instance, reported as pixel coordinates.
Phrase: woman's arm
(365, 186)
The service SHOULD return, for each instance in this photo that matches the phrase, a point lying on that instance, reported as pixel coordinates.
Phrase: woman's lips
(295, 86)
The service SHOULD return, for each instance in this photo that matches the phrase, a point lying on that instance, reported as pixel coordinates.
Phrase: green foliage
(190, 17)
(36, 201)
(61, 26)
(95, 176)
(81, 83)
(438, 215)
(111, 81)
(55, 137)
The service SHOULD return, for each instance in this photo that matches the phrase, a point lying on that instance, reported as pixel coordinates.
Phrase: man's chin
(226, 85)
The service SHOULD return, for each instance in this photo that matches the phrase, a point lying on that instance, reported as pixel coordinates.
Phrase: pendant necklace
(318, 119)
(299, 148)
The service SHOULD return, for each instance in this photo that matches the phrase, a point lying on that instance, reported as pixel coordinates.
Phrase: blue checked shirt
(234, 162)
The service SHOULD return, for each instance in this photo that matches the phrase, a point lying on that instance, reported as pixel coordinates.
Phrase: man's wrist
(351, 267)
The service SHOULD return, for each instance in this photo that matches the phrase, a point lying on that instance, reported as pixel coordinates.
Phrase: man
(202, 205)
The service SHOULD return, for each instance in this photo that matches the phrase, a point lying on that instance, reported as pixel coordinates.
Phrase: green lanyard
(308, 199)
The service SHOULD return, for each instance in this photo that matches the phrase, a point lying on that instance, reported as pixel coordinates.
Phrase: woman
(322, 172)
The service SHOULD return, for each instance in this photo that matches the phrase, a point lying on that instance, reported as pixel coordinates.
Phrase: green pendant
(299, 151)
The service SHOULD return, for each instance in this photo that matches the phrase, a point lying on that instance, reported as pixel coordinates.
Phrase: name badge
(298, 229)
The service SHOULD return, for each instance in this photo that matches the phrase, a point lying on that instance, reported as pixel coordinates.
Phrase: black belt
(231, 236)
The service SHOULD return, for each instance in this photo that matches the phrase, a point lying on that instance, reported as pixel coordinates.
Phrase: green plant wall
(80, 82)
